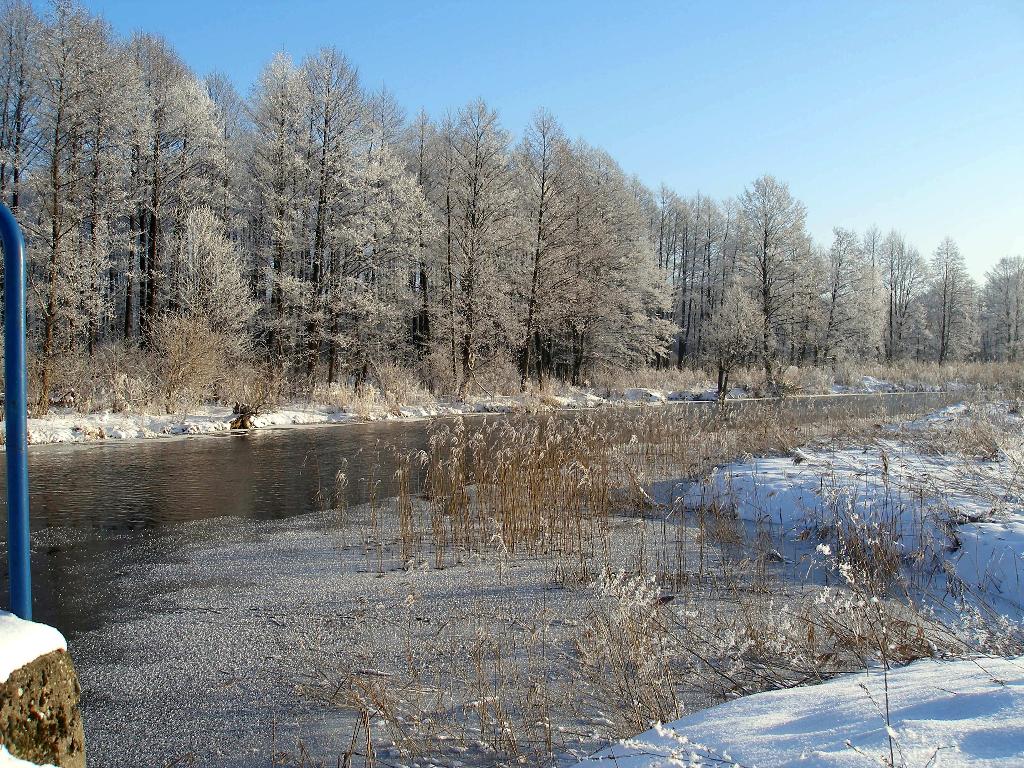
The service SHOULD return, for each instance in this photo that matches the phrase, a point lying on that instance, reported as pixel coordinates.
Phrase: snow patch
(7, 760)
(943, 713)
(644, 395)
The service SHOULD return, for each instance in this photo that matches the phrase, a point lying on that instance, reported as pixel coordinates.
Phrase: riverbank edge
(66, 427)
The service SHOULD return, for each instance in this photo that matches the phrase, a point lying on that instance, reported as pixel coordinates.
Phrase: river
(89, 500)
(106, 516)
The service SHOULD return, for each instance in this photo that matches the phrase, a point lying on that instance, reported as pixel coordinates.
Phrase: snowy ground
(962, 509)
(941, 713)
(963, 512)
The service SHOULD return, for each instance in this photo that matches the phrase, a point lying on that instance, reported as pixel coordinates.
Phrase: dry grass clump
(808, 380)
(549, 485)
(401, 386)
(981, 437)
(624, 653)
(392, 387)
(118, 377)
(536, 486)
(363, 401)
(1007, 378)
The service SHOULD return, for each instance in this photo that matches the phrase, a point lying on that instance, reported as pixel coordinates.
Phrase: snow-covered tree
(20, 29)
(733, 333)
(774, 226)
(1003, 310)
(208, 277)
(480, 211)
(548, 176)
(904, 275)
(952, 302)
(280, 174)
(851, 314)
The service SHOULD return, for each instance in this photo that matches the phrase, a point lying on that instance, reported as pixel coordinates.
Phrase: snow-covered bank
(66, 425)
(63, 425)
(948, 491)
(964, 513)
(941, 713)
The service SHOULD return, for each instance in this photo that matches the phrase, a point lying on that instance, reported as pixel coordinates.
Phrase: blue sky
(907, 115)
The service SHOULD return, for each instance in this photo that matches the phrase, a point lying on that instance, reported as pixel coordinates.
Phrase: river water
(138, 546)
(88, 501)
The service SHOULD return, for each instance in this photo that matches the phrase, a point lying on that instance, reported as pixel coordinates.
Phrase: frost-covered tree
(904, 275)
(851, 313)
(73, 59)
(228, 150)
(548, 176)
(952, 302)
(279, 110)
(208, 278)
(480, 212)
(175, 163)
(774, 226)
(1003, 310)
(733, 333)
(336, 107)
(617, 299)
(421, 160)
(372, 302)
(20, 29)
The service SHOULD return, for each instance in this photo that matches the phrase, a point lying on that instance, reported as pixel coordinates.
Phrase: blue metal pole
(15, 415)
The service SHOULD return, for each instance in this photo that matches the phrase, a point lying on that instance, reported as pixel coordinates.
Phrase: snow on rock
(298, 414)
(575, 399)
(7, 760)
(866, 385)
(942, 713)
(22, 642)
(871, 384)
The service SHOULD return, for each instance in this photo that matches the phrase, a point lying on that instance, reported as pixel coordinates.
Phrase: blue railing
(15, 414)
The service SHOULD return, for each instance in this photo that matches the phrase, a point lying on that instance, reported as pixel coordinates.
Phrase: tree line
(314, 230)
